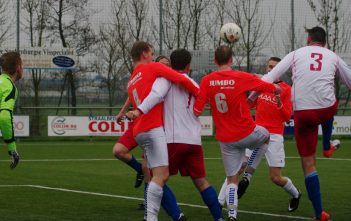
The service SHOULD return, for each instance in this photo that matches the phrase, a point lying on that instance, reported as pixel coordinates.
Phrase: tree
(246, 14)
(69, 24)
(4, 21)
(109, 62)
(37, 16)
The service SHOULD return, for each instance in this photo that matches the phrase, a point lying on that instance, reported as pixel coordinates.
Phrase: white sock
(232, 199)
(154, 197)
(291, 189)
(254, 160)
(221, 195)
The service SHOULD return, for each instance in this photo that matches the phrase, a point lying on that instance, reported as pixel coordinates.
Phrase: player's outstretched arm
(175, 77)
(159, 90)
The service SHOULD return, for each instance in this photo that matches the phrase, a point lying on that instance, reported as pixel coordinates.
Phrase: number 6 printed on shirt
(221, 103)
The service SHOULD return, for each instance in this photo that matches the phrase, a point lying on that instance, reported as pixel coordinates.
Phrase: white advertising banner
(341, 126)
(46, 58)
(100, 126)
(21, 126)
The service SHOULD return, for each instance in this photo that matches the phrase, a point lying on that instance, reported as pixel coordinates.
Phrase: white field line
(111, 159)
(141, 199)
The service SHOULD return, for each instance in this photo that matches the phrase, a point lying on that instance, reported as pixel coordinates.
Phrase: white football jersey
(180, 123)
(313, 73)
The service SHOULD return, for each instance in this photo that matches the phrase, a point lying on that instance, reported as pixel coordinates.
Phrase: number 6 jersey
(225, 91)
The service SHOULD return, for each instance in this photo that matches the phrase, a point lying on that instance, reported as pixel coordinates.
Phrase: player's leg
(193, 165)
(154, 145)
(329, 146)
(7, 130)
(306, 133)
(275, 156)
(169, 202)
(257, 141)
(221, 194)
(232, 154)
(121, 150)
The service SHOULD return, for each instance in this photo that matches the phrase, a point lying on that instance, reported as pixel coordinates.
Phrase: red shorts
(127, 138)
(306, 128)
(188, 159)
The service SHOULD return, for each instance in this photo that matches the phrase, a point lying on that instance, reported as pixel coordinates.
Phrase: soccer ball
(230, 33)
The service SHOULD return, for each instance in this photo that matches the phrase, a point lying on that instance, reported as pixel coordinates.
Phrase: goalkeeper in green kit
(12, 70)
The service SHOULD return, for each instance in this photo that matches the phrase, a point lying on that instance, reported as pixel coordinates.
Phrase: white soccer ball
(230, 33)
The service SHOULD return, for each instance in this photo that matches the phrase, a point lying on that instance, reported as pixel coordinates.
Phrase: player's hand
(279, 102)
(278, 89)
(133, 114)
(120, 118)
(15, 158)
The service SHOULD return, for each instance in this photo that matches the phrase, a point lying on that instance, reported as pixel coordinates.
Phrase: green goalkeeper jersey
(8, 93)
(8, 97)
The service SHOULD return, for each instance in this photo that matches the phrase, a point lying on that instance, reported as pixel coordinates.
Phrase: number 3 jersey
(225, 91)
(313, 73)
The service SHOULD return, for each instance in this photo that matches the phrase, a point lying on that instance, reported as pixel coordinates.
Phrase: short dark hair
(180, 58)
(274, 59)
(9, 62)
(161, 57)
(138, 48)
(223, 54)
(317, 34)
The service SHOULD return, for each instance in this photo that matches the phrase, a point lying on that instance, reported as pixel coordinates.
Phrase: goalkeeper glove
(15, 158)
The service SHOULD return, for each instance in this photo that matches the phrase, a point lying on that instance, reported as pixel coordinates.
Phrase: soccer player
(127, 142)
(313, 73)
(148, 128)
(225, 91)
(12, 71)
(122, 149)
(183, 130)
(271, 113)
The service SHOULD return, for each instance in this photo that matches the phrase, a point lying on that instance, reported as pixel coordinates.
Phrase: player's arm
(175, 77)
(277, 72)
(123, 110)
(159, 90)
(7, 104)
(284, 104)
(256, 84)
(344, 72)
(202, 99)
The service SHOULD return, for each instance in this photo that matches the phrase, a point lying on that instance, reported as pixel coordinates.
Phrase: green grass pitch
(81, 181)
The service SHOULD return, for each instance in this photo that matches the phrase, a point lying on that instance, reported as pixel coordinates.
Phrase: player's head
(163, 60)
(142, 52)
(11, 63)
(272, 62)
(180, 60)
(316, 35)
(224, 55)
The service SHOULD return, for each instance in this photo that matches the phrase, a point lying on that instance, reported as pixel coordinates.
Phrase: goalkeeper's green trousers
(7, 130)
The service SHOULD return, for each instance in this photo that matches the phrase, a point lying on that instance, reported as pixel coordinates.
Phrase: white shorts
(233, 152)
(275, 154)
(154, 145)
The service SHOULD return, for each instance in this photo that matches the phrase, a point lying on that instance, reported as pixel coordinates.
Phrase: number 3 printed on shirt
(221, 103)
(317, 66)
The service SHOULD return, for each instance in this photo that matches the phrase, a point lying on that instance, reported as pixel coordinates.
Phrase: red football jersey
(140, 85)
(226, 93)
(269, 115)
